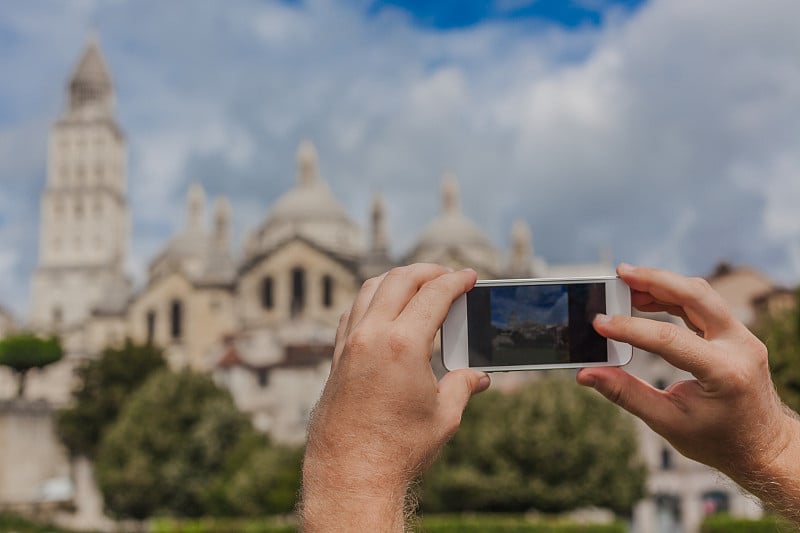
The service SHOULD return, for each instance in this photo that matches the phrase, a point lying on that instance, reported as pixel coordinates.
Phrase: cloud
(668, 136)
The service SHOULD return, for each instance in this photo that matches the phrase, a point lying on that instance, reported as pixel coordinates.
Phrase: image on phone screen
(535, 324)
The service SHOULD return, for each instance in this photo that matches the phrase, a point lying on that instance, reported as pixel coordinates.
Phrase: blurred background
(203, 186)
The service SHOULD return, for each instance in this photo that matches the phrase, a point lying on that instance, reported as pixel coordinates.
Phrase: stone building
(262, 319)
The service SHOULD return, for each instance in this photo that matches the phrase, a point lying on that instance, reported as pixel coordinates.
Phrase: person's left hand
(383, 417)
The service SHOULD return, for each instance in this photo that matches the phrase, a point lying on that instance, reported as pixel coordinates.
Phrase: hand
(729, 416)
(383, 417)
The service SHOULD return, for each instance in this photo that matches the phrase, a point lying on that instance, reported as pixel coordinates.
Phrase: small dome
(454, 231)
(309, 210)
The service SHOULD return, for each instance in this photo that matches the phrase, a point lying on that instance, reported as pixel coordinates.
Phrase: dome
(451, 230)
(311, 211)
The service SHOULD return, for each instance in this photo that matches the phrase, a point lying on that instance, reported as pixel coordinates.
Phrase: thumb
(455, 390)
(630, 393)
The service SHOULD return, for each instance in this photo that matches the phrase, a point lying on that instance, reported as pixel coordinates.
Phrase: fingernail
(484, 382)
(625, 267)
(600, 318)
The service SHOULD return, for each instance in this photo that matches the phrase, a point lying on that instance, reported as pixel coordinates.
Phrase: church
(261, 319)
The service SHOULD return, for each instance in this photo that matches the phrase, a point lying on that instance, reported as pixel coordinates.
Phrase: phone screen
(535, 324)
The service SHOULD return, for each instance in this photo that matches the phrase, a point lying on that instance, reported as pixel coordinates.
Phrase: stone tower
(85, 223)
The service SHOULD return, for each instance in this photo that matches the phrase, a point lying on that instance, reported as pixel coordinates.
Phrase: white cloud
(668, 136)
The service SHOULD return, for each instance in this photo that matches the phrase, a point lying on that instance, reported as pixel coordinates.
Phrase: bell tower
(84, 229)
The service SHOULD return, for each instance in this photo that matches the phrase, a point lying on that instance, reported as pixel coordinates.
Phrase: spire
(91, 81)
(222, 222)
(307, 170)
(378, 244)
(451, 202)
(195, 205)
(521, 249)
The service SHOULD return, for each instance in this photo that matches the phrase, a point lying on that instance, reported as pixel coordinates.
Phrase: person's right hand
(729, 416)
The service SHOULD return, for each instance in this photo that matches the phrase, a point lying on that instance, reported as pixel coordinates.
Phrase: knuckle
(358, 340)
(399, 342)
(666, 334)
(370, 283)
(343, 318)
(698, 288)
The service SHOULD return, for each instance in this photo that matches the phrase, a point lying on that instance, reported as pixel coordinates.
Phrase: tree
(552, 446)
(780, 332)
(24, 351)
(175, 448)
(105, 384)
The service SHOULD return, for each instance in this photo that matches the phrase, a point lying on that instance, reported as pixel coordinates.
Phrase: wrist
(340, 494)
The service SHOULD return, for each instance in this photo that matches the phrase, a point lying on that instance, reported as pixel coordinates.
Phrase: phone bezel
(455, 339)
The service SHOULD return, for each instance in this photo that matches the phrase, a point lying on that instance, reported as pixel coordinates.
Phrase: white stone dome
(452, 232)
(309, 210)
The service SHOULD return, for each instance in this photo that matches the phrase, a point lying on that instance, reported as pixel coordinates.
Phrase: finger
(362, 302)
(678, 346)
(633, 395)
(455, 390)
(428, 308)
(399, 286)
(674, 310)
(704, 307)
(338, 343)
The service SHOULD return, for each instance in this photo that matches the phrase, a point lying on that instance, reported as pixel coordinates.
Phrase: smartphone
(533, 324)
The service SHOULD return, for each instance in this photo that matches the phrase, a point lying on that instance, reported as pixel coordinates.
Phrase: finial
(222, 220)
(450, 196)
(521, 239)
(196, 199)
(307, 170)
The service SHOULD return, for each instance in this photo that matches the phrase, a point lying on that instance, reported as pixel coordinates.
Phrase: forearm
(776, 480)
(337, 498)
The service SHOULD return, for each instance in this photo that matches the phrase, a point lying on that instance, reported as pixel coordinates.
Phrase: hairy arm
(383, 417)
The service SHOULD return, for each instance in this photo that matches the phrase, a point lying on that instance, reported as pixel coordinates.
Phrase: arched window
(327, 291)
(267, 299)
(176, 319)
(151, 326)
(298, 291)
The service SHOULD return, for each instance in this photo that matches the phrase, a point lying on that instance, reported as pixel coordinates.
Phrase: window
(58, 316)
(151, 326)
(327, 291)
(176, 319)
(298, 291)
(666, 459)
(263, 377)
(716, 502)
(266, 293)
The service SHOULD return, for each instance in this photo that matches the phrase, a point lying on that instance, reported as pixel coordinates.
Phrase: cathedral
(261, 319)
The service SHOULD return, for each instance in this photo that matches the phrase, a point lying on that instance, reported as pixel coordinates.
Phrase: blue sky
(665, 131)
(452, 14)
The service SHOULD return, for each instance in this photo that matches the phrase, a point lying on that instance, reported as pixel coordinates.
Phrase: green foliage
(781, 334)
(508, 524)
(17, 524)
(428, 524)
(181, 448)
(267, 484)
(24, 351)
(105, 384)
(721, 523)
(227, 525)
(551, 446)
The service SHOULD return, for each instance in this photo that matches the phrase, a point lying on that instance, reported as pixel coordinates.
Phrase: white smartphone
(535, 324)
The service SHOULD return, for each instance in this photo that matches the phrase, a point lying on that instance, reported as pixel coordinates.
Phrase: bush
(551, 446)
(727, 524)
(508, 524)
(429, 524)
